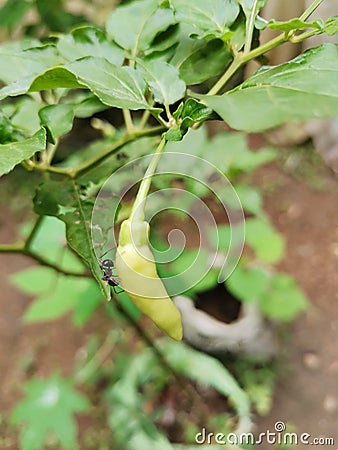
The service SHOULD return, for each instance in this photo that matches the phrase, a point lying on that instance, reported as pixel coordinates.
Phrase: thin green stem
(242, 58)
(301, 37)
(250, 28)
(137, 211)
(96, 361)
(144, 119)
(307, 13)
(116, 146)
(20, 247)
(128, 121)
(33, 232)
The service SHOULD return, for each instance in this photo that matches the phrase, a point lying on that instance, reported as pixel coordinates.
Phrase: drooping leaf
(49, 406)
(63, 200)
(210, 18)
(89, 41)
(135, 25)
(297, 90)
(163, 81)
(14, 153)
(58, 119)
(267, 243)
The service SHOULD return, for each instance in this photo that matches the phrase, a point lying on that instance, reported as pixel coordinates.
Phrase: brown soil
(307, 393)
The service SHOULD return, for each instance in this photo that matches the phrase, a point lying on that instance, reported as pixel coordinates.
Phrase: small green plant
(162, 69)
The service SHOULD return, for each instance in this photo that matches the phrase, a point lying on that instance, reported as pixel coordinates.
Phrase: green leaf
(250, 198)
(58, 119)
(208, 371)
(294, 24)
(49, 242)
(89, 41)
(267, 243)
(6, 129)
(198, 60)
(34, 280)
(48, 406)
(57, 77)
(14, 153)
(230, 153)
(163, 81)
(68, 293)
(25, 115)
(121, 87)
(27, 63)
(331, 26)
(301, 89)
(12, 12)
(174, 135)
(283, 300)
(63, 199)
(134, 26)
(126, 399)
(248, 284)
(210, 18)
(248, 5)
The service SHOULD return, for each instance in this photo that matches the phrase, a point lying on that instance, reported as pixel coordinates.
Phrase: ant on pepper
(107, 266)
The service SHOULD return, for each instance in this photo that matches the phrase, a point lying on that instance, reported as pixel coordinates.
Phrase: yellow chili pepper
(137, 272)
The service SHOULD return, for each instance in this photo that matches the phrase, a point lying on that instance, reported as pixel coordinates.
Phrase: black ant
(107, 266)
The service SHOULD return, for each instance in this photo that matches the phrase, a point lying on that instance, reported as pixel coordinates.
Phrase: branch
(20, 247)
(74, 173)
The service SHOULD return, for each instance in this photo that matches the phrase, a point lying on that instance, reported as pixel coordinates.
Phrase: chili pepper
(138, 275)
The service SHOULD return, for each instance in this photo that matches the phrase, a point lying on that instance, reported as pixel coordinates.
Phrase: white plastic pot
(250, 335)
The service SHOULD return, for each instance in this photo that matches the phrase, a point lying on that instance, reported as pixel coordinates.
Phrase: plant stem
(96, 361)
(139, 204)
(128, 121)
(116, 146)
(33, 232)
(250, 28)
(246, 56)
(20, 247)
(144, 119)
(73, 173)
(301, 37)
(307, 13)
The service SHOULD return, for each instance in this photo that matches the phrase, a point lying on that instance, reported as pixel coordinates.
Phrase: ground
(304, 210)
